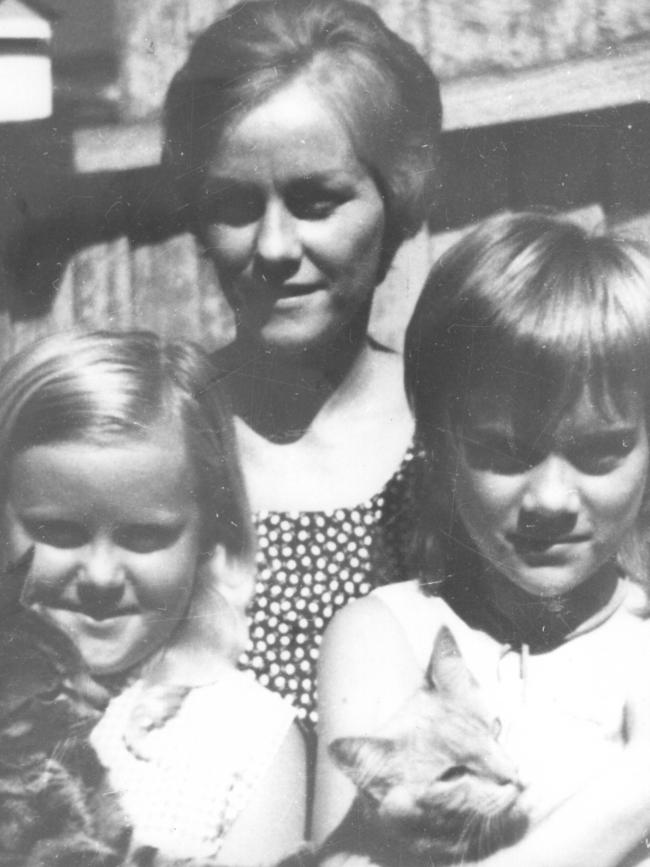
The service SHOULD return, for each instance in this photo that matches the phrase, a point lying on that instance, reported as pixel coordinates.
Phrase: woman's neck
(279, 394)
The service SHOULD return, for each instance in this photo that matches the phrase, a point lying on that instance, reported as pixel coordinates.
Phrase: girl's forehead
(526, 407)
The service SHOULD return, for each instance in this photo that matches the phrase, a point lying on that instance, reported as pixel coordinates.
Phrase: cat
(434, 787)
(55, 807)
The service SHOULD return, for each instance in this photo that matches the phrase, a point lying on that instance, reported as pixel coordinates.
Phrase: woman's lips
(284, 290)
(287, 292)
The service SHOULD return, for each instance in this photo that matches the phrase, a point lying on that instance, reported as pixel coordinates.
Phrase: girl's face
(292, 220)
(116, 532)
(548, 509)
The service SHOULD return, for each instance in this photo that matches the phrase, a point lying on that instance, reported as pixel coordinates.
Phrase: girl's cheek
(50, 568)
(17, 541)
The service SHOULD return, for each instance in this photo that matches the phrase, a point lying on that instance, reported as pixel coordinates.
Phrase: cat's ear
(447, 672)
(366, 761)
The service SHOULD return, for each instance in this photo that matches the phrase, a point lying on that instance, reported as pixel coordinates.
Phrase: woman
(303, 140)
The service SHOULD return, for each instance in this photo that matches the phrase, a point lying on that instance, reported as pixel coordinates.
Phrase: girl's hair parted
(107, 387)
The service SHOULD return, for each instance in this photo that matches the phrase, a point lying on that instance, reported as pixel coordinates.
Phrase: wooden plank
(620, 77)
(487, 36)
(116, 148)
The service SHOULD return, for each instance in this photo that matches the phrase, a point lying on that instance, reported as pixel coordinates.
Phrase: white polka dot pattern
(310, 564)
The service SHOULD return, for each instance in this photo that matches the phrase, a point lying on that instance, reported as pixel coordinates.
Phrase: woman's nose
(278, 248)
(551, 501)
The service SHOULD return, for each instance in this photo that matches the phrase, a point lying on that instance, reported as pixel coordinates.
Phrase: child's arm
(368, 671)
(273, 822)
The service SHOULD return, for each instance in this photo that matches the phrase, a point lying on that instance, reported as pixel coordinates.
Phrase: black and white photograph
(325, 433)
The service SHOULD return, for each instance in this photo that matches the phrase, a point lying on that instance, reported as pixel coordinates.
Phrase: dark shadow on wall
(48, 213)
(562, 162)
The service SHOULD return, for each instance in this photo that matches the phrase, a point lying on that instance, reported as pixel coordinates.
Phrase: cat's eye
(50, 695)
(455, 772)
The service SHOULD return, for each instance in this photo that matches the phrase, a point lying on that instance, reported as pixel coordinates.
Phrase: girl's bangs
(540, 377)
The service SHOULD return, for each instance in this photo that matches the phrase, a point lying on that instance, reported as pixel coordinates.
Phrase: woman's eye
(312, 207)
(313, 201)
(57, 534)
(235, 206)
(146, 538)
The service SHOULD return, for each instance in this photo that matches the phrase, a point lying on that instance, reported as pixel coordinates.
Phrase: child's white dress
(202, 764)
(562, 711)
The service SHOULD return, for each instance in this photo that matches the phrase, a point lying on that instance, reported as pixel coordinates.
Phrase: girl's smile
(549, 510)
(116, 532)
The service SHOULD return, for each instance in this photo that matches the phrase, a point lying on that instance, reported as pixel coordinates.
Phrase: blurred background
(546, 102)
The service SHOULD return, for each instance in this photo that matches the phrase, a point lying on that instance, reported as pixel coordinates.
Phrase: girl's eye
(600, 455)
(146, 538)
(57, 534)
(499, 455)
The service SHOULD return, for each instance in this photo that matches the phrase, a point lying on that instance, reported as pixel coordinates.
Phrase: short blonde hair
(551, 305)
(378, 85)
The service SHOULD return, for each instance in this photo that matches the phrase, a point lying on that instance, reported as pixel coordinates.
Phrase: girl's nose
(100, 578)
(551, 501)
(278, 248)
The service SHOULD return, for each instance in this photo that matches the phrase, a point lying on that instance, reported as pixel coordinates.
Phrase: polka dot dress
(310, 564)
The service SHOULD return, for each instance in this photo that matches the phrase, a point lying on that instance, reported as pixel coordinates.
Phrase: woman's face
(293, 221)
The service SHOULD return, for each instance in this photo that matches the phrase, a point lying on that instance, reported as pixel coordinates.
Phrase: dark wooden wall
(91, 239)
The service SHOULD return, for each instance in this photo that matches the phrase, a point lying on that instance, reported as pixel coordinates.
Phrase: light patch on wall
(25, 87)
(25, 64)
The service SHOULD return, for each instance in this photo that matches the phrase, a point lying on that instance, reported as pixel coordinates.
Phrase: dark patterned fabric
(310, 564)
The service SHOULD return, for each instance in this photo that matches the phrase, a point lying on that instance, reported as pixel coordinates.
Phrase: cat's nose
(521, 781)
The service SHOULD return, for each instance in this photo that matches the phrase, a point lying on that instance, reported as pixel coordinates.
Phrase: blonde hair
(376, 83)
(106, 386)
(560, 308)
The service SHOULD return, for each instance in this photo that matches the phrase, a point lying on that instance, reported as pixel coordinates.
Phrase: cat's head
(436, 778)
(46, 694)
